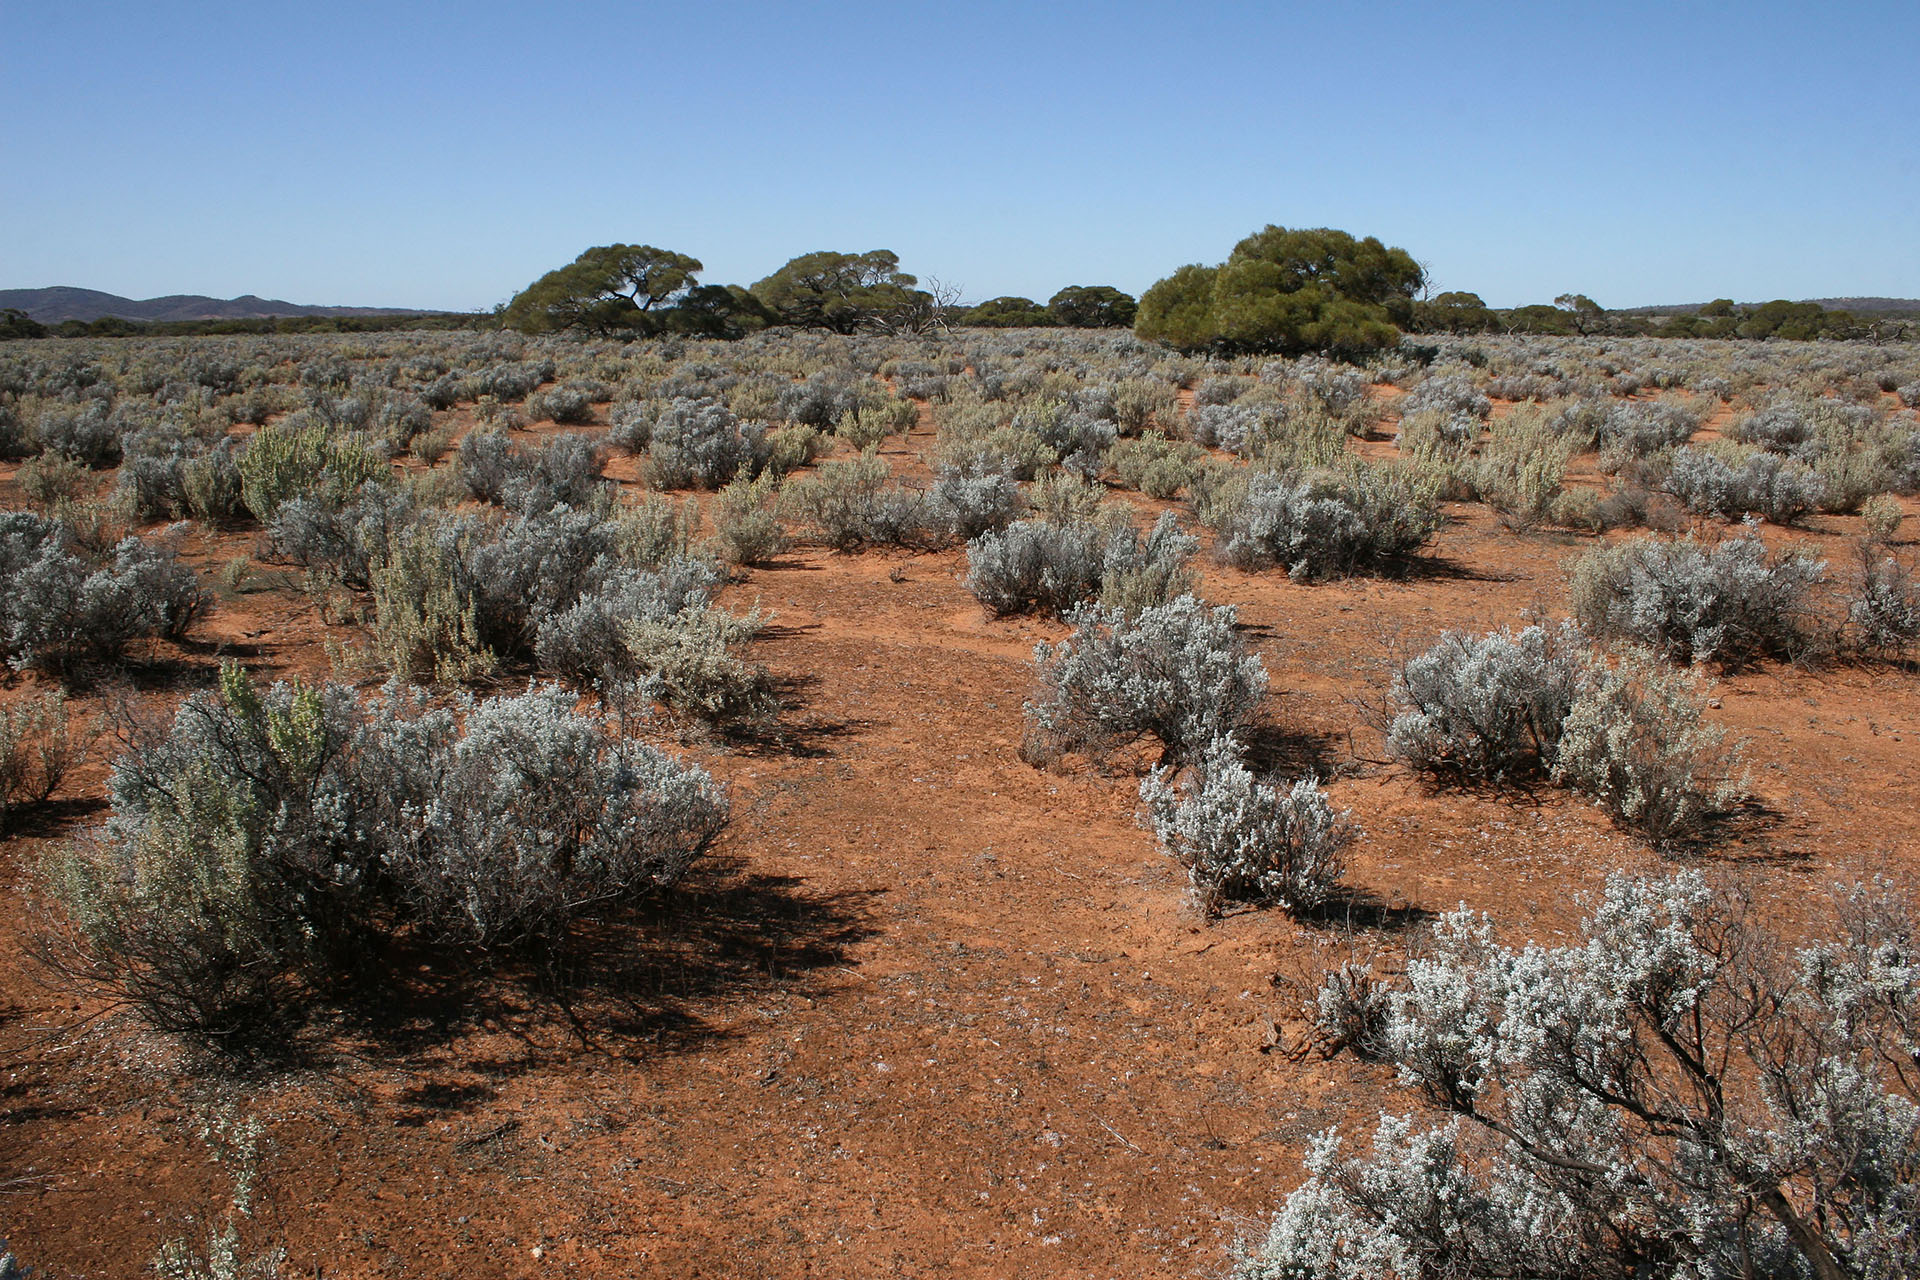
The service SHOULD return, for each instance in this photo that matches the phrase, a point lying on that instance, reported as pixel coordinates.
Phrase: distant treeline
(18, 324)
(1572, 314)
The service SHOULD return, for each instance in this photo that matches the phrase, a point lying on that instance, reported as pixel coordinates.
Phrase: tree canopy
(1287, 291)
(608, 288)
(842, 292)
(1093, 306)
(1009, 313)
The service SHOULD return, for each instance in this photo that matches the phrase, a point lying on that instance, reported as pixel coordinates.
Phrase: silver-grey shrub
(1729, 602)
(1176, 673)
(1779, 490)
(61, 609)
(1489, 708)
(1638, 741)
(1242, 839)
(1036, 566)
(538, 816)
(346, 540)
(1447, 394)
(88, 432)
(1046, 566)
(701, 444)
(1884, 609)
(1326, 524)
(584, 641)
(1641, 429)
(1676, 1094)
(1222, 426)
(966, 503)
(849, 503)
(274, 842)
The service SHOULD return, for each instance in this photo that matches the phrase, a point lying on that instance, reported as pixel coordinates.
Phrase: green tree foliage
(1583, 312)
(606, 289)
(1537, 318)
(1009, 313)
(1454, 312)
(718, 311)
(842, 292)
(1093, 306)
(15, 323)
(1287, 291)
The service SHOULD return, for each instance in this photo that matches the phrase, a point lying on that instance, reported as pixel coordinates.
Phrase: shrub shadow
(1278, 751)
(1355, 910)
(647, 981)
(794, 732)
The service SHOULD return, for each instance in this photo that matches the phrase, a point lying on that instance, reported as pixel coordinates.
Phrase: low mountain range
(63, 302)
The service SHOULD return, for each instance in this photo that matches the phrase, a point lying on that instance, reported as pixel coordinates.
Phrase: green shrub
(850, 503)
(685, 662)
(745, 529)
(426, 621)
(282, 461)
(1154, 465)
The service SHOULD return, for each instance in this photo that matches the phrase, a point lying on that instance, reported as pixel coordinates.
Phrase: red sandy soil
(930, 1011)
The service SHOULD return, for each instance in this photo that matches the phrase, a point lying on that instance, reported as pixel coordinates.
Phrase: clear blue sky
(444, 155)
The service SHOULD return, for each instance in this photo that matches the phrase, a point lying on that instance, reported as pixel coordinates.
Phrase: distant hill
(1871, 306)
(51, 306)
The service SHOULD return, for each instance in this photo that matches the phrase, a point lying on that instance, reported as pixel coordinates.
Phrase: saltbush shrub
(850, 503)
(1675, 1093)
(38, 749)
(1241, 839)
(1489, 708)
(1036, 566)
(1730, 602)
(966, 504)
(89, 432)
(1325, 524)
(1778, 490)
(745, 529)
(61, 609)
(700, 444)
(269, 845)
(1637, 740)
(1176, 673)
(1884, 608)
(283, 461)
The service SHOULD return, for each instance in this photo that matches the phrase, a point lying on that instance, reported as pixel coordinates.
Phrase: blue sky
(444, 155)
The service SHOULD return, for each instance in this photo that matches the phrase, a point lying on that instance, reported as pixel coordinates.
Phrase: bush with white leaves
(1175, 673)
(1326, 524)
(967, 502)
(1489, 708)
(1048, 566)
(1642, 429)
(62, 608)
(537, 817)
(700, 444)
(1779, 490)
(1447, 394)
(275, 841)
(1039, 566)
(1730, 602)
(1245, 840)
(1678, 1094)
(1884, 609)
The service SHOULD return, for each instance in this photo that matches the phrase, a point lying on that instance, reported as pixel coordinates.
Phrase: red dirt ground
(932, 1011)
